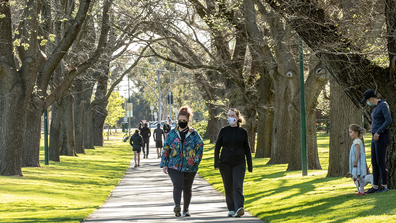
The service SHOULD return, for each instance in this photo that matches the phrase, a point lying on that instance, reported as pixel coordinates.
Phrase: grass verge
(67, 191)
(275, 195)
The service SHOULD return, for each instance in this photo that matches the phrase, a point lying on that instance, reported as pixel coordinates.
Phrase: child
(357, 157)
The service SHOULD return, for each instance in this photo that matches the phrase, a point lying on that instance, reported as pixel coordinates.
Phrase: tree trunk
(214, 125)
(67, 140)
(13, 103)
(99, 111)
(88, 133)
(31, 149)
(265, 121)
(78, 107)
(250, 125)
(54, 146)
(342, 114)
(281, 132)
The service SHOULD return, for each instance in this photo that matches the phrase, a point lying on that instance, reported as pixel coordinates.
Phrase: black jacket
(136, 140)
(146, 133)
(235, 147)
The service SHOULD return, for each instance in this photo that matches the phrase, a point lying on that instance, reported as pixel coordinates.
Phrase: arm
(130, 141)
(163, 135)
(219, 144)
(154, 135)
(248, 153)
(198, 149)
(166, 152)
(357, 155)
(387, 116)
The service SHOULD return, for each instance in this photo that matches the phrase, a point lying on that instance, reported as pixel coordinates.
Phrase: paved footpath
(145, 195)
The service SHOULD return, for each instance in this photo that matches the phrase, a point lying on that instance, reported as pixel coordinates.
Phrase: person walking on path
(181, 156)
(158, 135)
(167, 128)
(140, 127)
(381, 120)
(136, 142)
(233, 144)
(357, 157)
(146, 133)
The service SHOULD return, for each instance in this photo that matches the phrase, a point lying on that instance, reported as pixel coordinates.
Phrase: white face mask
(232, 120)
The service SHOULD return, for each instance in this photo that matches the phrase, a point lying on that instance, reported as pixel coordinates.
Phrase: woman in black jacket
(233, 140)
(136, 142)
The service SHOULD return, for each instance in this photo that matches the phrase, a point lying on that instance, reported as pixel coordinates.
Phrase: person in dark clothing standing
(140, 126)
(381, 120)
(136, 142)
(158, 135)
(233, 144)
(146, 133)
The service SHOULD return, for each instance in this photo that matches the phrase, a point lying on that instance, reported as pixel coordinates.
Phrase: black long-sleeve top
(234, 142)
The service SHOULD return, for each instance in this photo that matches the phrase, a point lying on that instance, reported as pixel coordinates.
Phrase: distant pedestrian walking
(146, 133)
(136, 142)
(158, 135)
(181, 156)
(166, 128)
(140, 126)
(232, 146)
(381, 120)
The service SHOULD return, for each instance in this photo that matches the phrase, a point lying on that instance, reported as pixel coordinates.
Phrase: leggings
(378, 153)
(146, 144)
(182, 181)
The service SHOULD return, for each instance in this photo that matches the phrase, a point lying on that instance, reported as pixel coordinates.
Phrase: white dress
(361, 169)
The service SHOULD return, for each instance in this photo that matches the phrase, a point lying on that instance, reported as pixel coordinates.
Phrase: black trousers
(378, 153)
(146, 144)
(182, 181)
(233, 177)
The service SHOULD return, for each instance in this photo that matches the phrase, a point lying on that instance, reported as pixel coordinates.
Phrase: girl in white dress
(357, 156)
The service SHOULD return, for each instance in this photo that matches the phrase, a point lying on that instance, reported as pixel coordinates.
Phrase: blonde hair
(360, 130)
(241, 120)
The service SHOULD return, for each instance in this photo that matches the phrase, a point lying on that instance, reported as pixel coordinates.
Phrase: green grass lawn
(67, 191)
(275, 195)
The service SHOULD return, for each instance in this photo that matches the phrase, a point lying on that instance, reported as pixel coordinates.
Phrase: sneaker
(371, 190)
(239, 212)
(136, 165)
(186, 214)
(382, 189)
(177, 210)
(360, 193)
(231, 214)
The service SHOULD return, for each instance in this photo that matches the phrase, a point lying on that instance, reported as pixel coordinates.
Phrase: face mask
(369, 103)
(232, 120)
(183, 124)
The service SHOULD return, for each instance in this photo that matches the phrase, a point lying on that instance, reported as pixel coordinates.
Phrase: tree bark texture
(99, 111)
(31, 149)
(342, 114)
(54, 142)
(67, 140)
(78, 107)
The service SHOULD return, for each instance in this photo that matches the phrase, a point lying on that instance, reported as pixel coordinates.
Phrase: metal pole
(46, 158)
(159, 97)
(129, 119)
(302, 113)
(170, 105)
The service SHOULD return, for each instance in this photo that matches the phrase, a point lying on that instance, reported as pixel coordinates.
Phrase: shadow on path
(145, 195)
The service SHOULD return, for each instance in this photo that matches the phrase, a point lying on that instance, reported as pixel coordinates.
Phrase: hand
(376, 137)
(216, 168)
(252, 150)
(355, 164)
(165, 169)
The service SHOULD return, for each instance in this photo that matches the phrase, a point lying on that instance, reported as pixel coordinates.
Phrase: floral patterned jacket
(186, 157)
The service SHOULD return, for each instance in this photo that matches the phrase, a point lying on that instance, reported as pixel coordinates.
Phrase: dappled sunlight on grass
(67, 191)
(275, 195)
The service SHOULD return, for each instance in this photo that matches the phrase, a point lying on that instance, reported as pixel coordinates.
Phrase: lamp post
(152, 108)
(175, 111)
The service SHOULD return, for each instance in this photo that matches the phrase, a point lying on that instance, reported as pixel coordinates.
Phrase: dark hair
(185, 110)
(146, 124)
(360, 130)
(241, 120)
(137, 131)
(140, 124)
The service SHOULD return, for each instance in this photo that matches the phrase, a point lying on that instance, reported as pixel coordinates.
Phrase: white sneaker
(239, 212)
(231, 214)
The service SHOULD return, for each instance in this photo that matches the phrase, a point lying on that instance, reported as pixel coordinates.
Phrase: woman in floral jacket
(181, 156)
